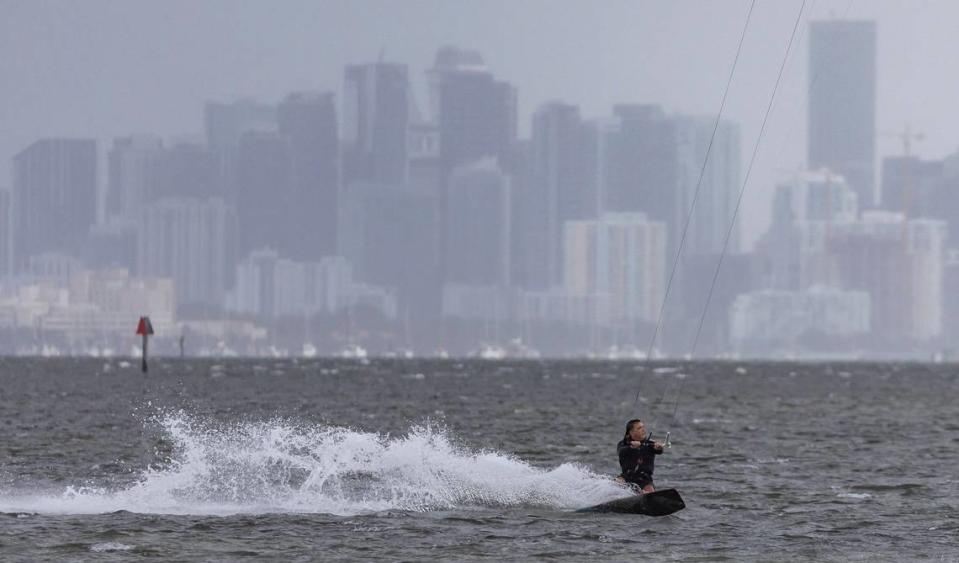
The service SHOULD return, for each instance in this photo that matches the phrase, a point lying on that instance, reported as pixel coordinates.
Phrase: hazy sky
(107, 68)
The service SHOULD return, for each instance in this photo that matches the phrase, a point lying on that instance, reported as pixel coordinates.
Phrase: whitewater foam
(280, 466)
(110, 546)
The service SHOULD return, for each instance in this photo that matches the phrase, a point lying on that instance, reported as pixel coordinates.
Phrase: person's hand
(658, 445)
(635, 444)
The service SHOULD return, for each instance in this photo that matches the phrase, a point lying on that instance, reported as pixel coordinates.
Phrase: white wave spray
(280, 466)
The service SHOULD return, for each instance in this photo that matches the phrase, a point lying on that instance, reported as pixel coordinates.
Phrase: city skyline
(674, 54)
(454, 219)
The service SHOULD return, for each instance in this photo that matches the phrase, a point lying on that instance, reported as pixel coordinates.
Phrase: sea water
(394, 460)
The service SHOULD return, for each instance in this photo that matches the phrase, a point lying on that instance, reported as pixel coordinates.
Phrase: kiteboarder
(637, 454)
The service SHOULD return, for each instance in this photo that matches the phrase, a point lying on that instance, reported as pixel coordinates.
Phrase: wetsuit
(637, 463)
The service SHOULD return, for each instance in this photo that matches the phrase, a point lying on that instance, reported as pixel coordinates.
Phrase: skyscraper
(620, 257)
(842, 102)
(265, 195)
(641, 167)
(142, 170)
(186, 169)
(559, 190)
(191, 241)
(478, 208)
(476, 113)
(225, 125)
(132, 164)
(376, 119)
(390, 235)
(475, 116)
(54, 197)
(713, 215)
(900, 263)
(308, 124)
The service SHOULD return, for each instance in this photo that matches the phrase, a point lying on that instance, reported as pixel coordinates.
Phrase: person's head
(635, 430)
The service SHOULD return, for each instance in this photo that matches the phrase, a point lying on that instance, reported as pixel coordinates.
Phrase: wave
(281, 466)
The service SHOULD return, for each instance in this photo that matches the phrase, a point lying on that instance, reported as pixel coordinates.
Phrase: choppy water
(407, 460)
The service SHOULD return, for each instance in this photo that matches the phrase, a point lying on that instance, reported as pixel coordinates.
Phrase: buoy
(145, 329)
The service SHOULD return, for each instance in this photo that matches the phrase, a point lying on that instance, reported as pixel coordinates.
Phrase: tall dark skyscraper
(559, 190)
(287, 181)
(640, 166)
(842, 102)
(142, 170)
(264, 194)
(308, 123)
(54, 197)
(476, 113)
(389, 234)
(475, 117)
(641, 171)
(132, 164)
(186, 169)
(225, 125)
(376, 108)
(478, 208)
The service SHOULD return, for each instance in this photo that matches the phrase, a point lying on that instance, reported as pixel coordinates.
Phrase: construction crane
(907, 137)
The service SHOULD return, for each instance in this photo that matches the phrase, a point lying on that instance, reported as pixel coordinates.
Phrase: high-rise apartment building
(621, 259)
(900, 263)
(191, 241)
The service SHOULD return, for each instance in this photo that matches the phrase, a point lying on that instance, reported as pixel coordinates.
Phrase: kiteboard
(656, 503)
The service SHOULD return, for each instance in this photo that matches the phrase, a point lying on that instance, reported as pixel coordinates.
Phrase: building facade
(842, 102)
(620, 257)
(54, 198)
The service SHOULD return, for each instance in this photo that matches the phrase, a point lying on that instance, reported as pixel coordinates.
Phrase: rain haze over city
(449, 280)
(489, 179)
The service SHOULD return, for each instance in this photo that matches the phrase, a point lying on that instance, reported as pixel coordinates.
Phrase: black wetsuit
(637, 463)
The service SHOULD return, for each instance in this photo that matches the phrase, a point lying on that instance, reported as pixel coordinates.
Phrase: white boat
(491, 352)
(222, 350)
(518, 349)
(353, 352)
